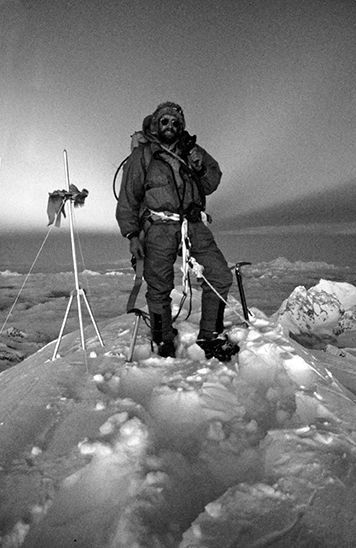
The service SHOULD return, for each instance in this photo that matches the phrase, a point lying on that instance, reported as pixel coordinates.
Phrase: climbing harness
(164, 216)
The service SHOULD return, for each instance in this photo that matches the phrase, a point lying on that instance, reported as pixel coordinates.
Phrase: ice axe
(241, 289)
(130, 307)
(138, 314)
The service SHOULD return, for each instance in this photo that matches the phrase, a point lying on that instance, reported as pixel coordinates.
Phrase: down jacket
(154, 180)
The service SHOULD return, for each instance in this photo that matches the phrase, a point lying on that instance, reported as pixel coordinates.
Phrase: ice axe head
(242, 263)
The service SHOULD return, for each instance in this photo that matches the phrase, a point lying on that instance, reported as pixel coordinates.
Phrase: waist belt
(164, 216)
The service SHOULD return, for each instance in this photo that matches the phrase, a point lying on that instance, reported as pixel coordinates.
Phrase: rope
(185, 255)
(189, 261)
(26, 278)
(185, 242)
(198, 271)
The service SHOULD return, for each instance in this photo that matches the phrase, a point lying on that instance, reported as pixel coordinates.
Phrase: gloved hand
(136, 248)
(196, 158)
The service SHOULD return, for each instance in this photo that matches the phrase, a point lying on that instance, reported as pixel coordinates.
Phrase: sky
(268, 87)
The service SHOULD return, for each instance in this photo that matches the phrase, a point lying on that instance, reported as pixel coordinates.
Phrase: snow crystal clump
(343, 291)
(319, 310)
(91, 273)
(9, 273)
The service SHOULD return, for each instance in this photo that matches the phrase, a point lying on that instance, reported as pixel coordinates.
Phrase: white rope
(198, 271)
(165, 216)
(189, 261)
(26, 278)
(185, 256)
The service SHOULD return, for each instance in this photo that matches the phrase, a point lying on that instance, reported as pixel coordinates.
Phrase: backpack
(138, 138)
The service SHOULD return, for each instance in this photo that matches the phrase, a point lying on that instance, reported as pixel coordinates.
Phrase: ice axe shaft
(130, 307)
(134, 336)
(241, 289)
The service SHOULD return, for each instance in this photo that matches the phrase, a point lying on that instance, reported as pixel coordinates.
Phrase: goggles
(166, 121)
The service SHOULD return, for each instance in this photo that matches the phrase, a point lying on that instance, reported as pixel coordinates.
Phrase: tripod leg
(81, 326)
(62, 327)
(92, 318)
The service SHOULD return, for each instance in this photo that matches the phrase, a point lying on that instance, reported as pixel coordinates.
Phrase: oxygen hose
(115, 177)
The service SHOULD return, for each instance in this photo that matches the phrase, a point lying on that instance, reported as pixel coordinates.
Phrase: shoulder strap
(147, 155)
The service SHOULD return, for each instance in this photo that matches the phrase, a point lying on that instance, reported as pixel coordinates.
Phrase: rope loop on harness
(186, 245)
(197, 268)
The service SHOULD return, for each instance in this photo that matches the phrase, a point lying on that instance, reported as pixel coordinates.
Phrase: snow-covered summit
(186, 451)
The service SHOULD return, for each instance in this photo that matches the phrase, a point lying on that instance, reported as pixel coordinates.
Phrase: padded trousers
(162, 241)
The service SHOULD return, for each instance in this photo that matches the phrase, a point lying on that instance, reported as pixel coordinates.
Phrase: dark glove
(136, 248)
(196, 159)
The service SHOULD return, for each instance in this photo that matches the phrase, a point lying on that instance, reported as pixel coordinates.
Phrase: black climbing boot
(219, 327)
(166, 350)
(219, 348)
(163, 334)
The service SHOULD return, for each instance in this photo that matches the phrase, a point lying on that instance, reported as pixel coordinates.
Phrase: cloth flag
(57, 200)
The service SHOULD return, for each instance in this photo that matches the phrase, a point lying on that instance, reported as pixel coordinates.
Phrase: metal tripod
(78, 292)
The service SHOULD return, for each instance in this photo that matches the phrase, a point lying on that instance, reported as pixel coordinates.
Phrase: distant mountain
(332, 205)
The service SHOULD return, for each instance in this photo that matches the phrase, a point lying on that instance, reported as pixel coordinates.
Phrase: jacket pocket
(160, 195)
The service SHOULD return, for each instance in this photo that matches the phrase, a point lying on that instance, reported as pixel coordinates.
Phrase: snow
(327, 308)
(196, 453)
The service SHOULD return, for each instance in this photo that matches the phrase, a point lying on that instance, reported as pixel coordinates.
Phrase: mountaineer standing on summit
(165, 180)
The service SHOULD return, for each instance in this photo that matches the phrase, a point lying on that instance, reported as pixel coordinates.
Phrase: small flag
(57, 200)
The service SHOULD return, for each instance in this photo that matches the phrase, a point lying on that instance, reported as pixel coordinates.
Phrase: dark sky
(267, 85)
